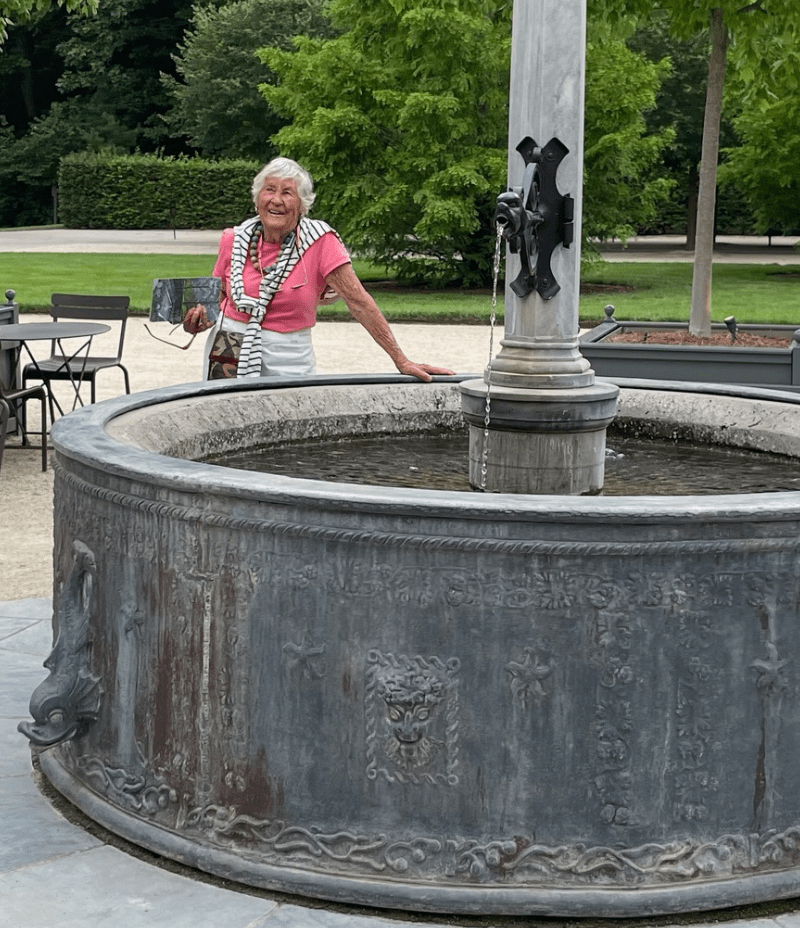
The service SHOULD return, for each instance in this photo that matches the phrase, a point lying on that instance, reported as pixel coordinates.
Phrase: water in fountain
(634, 466)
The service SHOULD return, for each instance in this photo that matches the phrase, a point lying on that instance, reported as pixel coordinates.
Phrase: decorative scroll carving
(274, 837)
(233, 687)
(412, 719)
(68, 701)
(613, 718)
(695, 687)
(460, 861)
(142, 793)
(771, 683)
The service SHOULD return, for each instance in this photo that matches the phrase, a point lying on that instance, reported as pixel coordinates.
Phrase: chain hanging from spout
(487, 418)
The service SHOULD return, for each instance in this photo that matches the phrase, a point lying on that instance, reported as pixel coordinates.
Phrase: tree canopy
(21, 11)
(403, 122)
(398, 107)
(624, 183)
(74, 83)
(216, 101)
(765, 167)
(727, 22)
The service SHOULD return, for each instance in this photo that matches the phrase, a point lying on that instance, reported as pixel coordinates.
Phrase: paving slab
(20, 673)
(34, 638)
(13, 625)
(293, 916)
(104, 887)
(30, 608)
(17, 615)
(15, 753)
(33, 832)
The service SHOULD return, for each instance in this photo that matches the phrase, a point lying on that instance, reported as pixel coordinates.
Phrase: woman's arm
(365, 310)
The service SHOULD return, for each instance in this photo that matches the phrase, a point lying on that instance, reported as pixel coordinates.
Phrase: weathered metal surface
(442, 702)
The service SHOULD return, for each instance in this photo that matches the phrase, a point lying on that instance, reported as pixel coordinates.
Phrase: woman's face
(279, 207)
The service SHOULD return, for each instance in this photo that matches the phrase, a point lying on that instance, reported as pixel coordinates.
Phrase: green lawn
(658, 291)
(663, 292)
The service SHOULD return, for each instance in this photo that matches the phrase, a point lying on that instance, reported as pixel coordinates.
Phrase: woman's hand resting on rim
(196, 320)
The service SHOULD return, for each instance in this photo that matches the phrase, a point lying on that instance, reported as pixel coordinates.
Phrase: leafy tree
(403, 121)
(30, 65)
(624, 185)
(76, 84)
(113, 64)
(765, 168)
(679, 105)
(723, 19)
(217, 105)
(22, 11)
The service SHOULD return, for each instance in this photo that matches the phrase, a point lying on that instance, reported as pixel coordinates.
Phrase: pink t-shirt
(294, 306)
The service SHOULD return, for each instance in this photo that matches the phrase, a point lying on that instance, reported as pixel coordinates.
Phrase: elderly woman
(275, 269)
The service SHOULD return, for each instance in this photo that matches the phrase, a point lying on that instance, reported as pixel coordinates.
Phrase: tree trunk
(691, 208)
(700, 319)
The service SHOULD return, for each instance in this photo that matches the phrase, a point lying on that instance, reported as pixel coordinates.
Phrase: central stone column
(546, 415)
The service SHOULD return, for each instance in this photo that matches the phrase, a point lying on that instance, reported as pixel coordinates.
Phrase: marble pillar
(547, 415)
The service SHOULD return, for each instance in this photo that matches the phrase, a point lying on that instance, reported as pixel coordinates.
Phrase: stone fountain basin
(442, 702)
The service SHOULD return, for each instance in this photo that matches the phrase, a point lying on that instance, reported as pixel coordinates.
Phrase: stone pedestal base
(539, 441)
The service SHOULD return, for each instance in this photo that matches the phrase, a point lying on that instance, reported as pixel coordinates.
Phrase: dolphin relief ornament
(68, 701)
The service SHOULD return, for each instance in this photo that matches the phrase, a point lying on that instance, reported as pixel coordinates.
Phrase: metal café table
(74, 364)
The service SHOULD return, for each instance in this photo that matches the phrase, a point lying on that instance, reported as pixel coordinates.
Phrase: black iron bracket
(535, 217)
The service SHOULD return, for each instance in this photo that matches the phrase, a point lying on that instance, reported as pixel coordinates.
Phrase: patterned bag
(224, 356)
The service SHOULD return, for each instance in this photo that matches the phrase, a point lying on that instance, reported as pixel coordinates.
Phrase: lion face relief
(411, 699)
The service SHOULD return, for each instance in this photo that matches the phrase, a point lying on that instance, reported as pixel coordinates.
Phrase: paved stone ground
(729, 248)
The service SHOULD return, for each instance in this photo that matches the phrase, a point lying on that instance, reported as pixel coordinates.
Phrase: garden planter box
(731, 363)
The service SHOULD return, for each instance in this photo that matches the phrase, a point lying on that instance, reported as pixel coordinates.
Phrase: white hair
(286, 168)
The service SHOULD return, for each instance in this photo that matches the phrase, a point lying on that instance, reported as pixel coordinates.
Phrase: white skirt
(284, 354)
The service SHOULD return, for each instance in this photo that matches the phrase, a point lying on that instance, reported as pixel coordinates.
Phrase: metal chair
(76, 308)
(16, 400)
(5, 412)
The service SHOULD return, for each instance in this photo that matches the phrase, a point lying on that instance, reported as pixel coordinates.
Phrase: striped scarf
(293, 247)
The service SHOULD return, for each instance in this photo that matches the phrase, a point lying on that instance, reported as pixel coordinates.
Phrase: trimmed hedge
(104, 191)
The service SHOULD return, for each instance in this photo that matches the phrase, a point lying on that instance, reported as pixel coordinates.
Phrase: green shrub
(106, 191)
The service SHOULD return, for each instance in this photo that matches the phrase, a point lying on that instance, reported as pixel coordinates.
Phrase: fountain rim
(82, 436)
